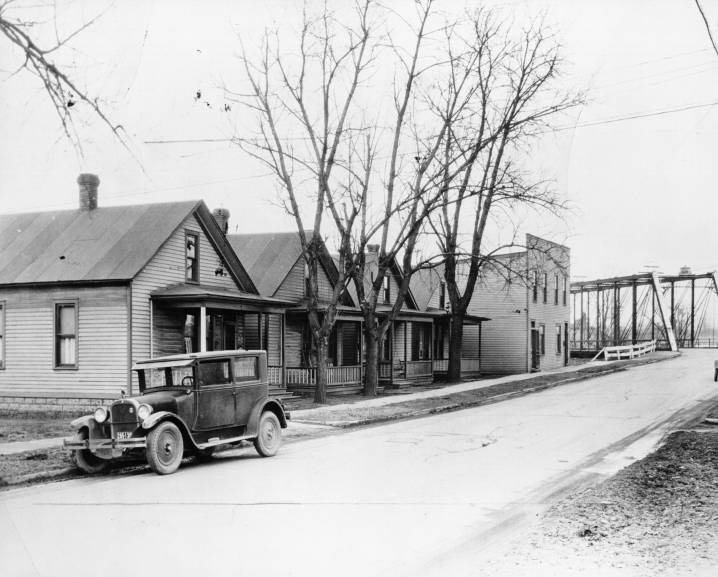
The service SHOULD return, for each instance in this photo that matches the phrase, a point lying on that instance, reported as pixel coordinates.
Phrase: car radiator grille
(123, 417)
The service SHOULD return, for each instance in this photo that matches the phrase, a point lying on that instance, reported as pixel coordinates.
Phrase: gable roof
(100, 245)
(424, 284)
(269, 257)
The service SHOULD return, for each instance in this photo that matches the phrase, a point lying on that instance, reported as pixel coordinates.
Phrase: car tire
(84, 459)
(165, 448)
(269, 435)
(715, 376)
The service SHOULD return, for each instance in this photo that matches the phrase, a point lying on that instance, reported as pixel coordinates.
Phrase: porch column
(406, 359)
(284, 358)
(203, 329)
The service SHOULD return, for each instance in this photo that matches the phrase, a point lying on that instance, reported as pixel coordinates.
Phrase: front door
(249, 386)
(535, 350)
(215, 396)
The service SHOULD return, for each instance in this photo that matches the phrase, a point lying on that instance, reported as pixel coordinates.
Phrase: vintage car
(188, 405)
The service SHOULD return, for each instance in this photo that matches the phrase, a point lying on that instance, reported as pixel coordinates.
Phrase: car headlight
(143, 411)
(100, 414)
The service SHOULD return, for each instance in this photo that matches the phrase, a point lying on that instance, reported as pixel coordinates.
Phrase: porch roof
(192, 295)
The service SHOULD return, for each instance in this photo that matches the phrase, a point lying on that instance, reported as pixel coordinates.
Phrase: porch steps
(281, 393)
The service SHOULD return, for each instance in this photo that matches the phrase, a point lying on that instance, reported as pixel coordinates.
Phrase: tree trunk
(371, 376)
(456, 339)
(320, 389)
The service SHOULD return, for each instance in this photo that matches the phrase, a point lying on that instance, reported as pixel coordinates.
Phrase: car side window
(213, 373)
(245, 369)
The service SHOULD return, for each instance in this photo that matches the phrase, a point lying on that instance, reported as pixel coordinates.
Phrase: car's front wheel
(269, 435)
(84, 458)
(165, 447)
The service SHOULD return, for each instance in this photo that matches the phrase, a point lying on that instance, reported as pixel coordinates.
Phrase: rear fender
(259, 408)
(156, 418)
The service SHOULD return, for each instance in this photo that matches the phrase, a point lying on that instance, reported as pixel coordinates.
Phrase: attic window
(387, 289)
(442, 295)
(191, 257)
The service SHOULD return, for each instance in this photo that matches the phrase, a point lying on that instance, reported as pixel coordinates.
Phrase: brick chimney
(88, 191)
(221, 215)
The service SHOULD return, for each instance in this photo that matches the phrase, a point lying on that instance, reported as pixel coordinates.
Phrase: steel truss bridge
(672, 310)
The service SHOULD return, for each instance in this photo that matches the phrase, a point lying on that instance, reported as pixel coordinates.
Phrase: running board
(229, 441)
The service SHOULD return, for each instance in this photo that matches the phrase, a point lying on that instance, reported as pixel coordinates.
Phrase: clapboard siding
(504, 339)
(292, 287)
(552, 259)
(167, 268)
(29, 342)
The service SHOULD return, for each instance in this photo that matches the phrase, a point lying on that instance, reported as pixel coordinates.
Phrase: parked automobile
(188, 405)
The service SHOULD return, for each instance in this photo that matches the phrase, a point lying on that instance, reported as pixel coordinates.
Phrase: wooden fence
(335, 375)
(627, 351)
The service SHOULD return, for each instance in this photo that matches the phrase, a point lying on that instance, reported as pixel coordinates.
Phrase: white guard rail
(626, 351)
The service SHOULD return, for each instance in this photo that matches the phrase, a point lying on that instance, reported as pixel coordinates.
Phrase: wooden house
(85, 293)
(275, 263)
(525, 294)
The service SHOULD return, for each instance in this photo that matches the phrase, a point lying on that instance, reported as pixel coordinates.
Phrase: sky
(642, 190)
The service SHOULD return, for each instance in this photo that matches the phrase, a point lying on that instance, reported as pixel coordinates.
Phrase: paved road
(409, 498)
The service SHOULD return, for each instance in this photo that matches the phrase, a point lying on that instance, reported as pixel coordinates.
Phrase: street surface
(418, 497)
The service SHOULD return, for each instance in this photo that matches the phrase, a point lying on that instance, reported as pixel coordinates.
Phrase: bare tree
(63, 91)
(498, 96)
(305, 102)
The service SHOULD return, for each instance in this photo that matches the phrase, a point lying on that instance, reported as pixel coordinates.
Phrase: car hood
(162, 400)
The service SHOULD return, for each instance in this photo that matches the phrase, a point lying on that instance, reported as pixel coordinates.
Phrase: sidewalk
(307, 422)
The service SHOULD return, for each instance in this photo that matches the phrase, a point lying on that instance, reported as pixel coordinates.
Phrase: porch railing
(385, 370)
(467, 365)
(417, 368)
(274, 375)
(335, 375)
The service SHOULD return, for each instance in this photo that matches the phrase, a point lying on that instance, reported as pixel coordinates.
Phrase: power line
(639, 115)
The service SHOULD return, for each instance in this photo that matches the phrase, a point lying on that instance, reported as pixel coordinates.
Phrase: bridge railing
(627, 351)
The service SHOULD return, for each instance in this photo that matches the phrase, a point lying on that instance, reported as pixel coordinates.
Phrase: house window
(555, 292)
(536, 282)
(387, 289)
(66, 335)
(558, 339)
(442, 295)
(565, 285)
(192, 257)
(545, 287)
(542, 336)
(2, 335)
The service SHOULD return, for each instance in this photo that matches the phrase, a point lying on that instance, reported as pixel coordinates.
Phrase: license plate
(124, 434)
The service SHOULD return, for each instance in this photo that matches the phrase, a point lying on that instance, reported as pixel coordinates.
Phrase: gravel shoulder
(658, 516)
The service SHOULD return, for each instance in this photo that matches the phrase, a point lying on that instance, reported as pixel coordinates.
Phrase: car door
(215, 395)
(249, 385)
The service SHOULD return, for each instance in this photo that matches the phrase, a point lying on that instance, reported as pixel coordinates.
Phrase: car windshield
(168, 377)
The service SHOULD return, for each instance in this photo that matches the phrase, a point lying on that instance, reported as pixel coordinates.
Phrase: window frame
(545, 287)
(442, 294)
(194, 276)
(555, 293)
(3, 336)
(57, 305)
(558, 339)
(386, 288)
(565, 284)
(542, 339)
(535, 287)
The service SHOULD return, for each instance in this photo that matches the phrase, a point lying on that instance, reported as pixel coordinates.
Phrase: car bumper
(102, 444)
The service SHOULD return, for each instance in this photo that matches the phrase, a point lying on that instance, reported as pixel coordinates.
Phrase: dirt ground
(658, 516)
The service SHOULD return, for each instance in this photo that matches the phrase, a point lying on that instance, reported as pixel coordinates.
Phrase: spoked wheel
(269, 435)
(84, 459)
(165, 448)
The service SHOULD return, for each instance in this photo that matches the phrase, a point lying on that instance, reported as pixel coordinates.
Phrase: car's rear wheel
(165, 447)
(84, 459)
(269, 435)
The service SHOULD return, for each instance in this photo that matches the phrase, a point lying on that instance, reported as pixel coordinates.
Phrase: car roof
(188, 358)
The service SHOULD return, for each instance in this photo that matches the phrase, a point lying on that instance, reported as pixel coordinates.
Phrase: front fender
(259, 408)
(156, 418)
(84, 421)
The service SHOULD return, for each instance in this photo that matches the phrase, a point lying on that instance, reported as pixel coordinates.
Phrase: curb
(410, 414)
(36, 477)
